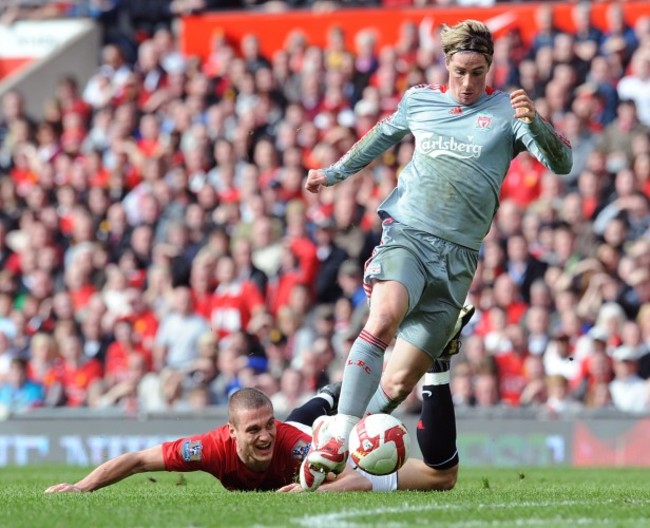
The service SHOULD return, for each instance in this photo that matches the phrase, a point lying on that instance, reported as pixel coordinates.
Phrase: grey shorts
(437, 275)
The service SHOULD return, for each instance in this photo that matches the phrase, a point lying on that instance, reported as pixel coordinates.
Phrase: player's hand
(297, 488)
(316, 179)
(63, 488)
(291, 488)
(523, 105)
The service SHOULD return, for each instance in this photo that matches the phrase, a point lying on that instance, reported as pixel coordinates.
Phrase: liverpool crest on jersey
(484, 122)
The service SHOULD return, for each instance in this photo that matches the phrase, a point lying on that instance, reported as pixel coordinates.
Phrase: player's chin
(468, 98)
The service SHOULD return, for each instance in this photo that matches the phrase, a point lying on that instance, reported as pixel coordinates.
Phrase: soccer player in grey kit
(466, 135)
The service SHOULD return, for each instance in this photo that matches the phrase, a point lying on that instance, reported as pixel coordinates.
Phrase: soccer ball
(379, 444)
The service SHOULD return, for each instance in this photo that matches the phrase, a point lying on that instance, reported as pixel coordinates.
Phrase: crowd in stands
(158, 251)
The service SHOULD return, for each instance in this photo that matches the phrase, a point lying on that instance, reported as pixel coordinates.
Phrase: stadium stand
(157, 250)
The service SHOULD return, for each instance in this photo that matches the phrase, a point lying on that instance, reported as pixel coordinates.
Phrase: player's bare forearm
(115, 470)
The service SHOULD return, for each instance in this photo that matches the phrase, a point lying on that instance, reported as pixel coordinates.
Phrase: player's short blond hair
(468, 35)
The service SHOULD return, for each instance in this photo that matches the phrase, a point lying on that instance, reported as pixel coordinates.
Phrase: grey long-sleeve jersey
(450, 188)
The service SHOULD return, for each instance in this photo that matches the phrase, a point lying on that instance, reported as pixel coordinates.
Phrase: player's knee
(383, 323)
(442, 480)
(398, 385)
(449, 478)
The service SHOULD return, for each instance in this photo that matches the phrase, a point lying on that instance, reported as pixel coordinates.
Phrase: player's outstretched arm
(349, 480)
(115, 470)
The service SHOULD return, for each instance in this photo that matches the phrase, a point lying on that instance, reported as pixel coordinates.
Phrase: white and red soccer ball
(379, 444)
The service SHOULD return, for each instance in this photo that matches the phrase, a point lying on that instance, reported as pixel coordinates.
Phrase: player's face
(254, 432)
(467, 73)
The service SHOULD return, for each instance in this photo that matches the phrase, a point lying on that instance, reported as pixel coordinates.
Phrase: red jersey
(77, 380)
(233, 305)
(117, 360)
(215, 453)
(512, 376)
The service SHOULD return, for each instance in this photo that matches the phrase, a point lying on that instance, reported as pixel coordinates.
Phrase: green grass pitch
(487, 497)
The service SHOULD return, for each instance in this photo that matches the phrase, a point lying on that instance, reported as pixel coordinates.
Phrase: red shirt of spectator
(216, 453)
(522, 183)
(44, 365)
(511, 365)
(512, 376)
(119, 352)
(234, 301)
(299, 266)
(202, 286)
(507, 296)
(80, 296)
(76, 373)
(144, 322)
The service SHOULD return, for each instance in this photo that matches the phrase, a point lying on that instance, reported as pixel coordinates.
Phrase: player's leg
(381, 402)
(416, 475)
(361, 374)
(396, 278)
(324, 403)
(405, 368)
(436, 428)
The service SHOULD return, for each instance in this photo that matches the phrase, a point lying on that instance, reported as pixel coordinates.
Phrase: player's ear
(231, 430)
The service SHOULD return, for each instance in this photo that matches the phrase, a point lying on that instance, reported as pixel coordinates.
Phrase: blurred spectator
(599, 397)
(124, 393)
(78, 374)
(486, 390)
(18, 394)
(110, 79)
(536, 391)
(166, 171)
(7, 355)
(350, 279)
(546, 31)
(537, 324)
(119, 353)
(176, 344)
(234, 301)
(634, 85)
(629, 392)
(462, 390)
(242, 253)
(560, 402)
(292, 391)
(558, 357)
(588, 38)
(163, 392)
(511, 366)
(619, 38)
(331, 257)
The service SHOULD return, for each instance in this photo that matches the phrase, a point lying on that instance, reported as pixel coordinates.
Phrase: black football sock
(436, 430)
(316, 406)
